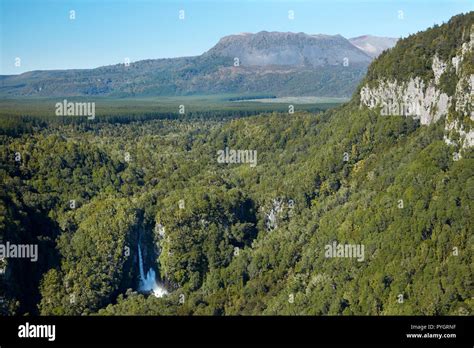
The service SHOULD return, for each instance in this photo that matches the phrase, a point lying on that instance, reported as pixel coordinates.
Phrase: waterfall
(148, 282)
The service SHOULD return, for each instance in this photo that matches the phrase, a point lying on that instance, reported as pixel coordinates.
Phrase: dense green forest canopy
(345, 179)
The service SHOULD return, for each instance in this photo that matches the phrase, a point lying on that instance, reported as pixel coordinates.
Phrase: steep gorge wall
(429, 100)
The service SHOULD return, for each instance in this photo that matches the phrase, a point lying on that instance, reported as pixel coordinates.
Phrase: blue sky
(105, 32)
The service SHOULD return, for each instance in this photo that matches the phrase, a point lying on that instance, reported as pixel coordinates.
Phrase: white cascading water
(148, 283)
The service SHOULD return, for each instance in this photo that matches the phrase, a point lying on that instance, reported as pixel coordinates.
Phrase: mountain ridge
(283, 64)
(287, 48)
(373, 45)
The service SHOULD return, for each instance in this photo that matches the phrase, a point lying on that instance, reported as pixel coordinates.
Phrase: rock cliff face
(413, 98)
(447, 92)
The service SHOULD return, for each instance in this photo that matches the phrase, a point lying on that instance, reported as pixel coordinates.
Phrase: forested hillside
(232, 238)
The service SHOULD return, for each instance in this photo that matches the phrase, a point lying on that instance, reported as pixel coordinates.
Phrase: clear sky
(104, 32)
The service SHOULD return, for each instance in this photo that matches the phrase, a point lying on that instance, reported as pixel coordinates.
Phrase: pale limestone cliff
(410, 98)
(426, 101)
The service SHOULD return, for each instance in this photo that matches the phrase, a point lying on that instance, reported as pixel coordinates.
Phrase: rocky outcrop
(280, 209)
(456, 130)
(427, 100)
(439, 67)
(412, 98)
